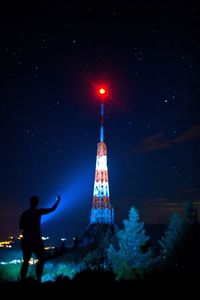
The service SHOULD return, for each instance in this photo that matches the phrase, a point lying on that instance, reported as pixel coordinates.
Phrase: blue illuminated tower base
(102, 216)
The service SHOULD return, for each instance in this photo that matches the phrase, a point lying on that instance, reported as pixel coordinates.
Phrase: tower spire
(101, 212)
(102, 123)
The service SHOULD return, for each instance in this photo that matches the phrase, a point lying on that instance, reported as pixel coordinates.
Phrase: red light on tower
(102, 91)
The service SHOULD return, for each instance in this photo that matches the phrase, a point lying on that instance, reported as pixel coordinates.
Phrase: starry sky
(52, 58)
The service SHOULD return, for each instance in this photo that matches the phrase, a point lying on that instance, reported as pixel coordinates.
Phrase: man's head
(34, 200)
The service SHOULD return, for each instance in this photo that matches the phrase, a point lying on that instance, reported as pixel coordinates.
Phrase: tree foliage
(131, 256)
(172, 241)
(180, 245)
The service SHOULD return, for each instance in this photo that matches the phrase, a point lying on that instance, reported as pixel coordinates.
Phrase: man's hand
(58, 198)
(56, 203)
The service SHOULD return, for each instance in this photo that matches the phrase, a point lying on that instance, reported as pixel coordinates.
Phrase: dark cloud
(189, 135)
(159, 142)
(154, 142)
(159, 210)
(191, 190)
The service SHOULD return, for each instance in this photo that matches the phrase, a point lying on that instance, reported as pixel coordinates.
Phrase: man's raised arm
(45, 211)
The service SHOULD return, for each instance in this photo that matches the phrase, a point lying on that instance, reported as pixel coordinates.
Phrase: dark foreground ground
(98, 284)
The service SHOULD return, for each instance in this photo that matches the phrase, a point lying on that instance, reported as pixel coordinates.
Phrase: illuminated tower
(101, 212)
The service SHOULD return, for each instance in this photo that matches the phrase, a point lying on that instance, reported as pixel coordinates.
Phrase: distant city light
(45, 238)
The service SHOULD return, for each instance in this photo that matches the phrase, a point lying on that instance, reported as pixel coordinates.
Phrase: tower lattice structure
(101, 212)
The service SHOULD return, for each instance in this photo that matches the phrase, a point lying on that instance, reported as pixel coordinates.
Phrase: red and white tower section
(101, 212)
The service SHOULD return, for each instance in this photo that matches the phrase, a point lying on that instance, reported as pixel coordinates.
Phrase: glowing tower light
(101, 212)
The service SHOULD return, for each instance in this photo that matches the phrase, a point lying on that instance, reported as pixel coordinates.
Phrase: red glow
(102, 92)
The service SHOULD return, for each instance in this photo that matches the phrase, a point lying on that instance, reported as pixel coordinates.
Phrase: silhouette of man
(32, 240)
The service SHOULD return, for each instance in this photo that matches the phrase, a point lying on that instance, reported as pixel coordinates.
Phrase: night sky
(52, 57)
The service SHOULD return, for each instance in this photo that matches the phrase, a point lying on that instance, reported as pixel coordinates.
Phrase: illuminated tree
(172, 241)
(180, 245)
(132, 255)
